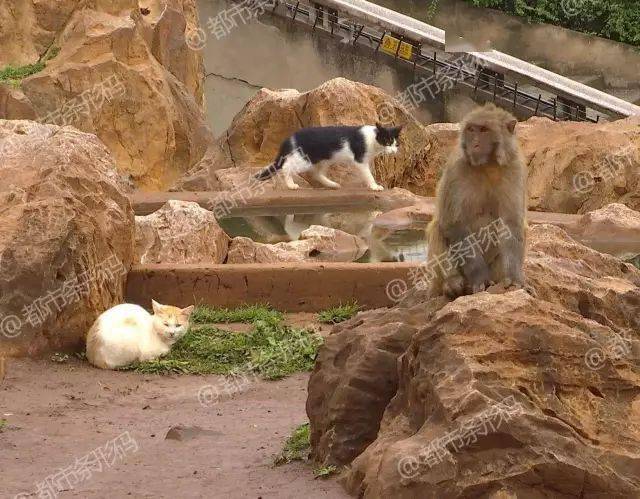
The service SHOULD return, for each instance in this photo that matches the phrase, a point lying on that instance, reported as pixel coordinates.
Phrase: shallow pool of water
(385, 245)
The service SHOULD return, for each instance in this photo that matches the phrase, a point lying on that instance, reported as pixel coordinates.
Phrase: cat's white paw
(293, 187)
(376, 187)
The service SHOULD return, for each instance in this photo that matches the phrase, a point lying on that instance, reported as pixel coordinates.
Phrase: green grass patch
(271, 351)
(296, 448)
(13, 75)
(338, 314)
(324, 471)
(246, 314)
(3, 425)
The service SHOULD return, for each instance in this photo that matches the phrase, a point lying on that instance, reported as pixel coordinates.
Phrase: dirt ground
(59, 412)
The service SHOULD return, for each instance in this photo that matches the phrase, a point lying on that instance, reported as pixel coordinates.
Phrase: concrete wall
(288, 287)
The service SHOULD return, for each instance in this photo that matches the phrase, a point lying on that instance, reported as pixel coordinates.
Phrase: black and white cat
(314, 149)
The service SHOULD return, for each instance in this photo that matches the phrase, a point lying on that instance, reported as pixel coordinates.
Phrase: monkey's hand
(511, 285)
(453, 286)
(513, 282)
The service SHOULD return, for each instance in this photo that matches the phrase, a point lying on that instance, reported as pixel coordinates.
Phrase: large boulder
(129, 78)
(66, 236)
(255, 135)
(562, 370)
(180, 232)
(316, 244)
(579, 167)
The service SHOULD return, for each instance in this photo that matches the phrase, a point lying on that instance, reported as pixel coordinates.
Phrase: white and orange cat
(128, 333)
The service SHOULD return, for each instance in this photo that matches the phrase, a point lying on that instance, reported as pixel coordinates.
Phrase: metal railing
(360, 22)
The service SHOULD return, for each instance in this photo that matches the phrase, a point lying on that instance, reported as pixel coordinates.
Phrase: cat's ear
(157, 308)
(187, 311)
(397, 130)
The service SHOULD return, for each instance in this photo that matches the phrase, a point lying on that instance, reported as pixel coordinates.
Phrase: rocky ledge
(495, 395)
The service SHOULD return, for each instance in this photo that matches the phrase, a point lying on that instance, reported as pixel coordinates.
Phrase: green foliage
(271, 351)
(296, 448)
(615, 19)
(338, 314)
(324, 471)
(246, 314)
(3, 425)
(14, 75)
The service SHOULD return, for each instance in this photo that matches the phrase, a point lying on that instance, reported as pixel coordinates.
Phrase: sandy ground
(60, 412)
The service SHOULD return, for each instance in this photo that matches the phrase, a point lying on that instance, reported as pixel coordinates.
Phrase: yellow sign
(390, 46)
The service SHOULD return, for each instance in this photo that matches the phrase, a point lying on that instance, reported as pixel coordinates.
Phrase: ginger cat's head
(170, 323)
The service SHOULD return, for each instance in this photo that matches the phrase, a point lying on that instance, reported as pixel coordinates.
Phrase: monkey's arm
(472, 265)
(512, 249)
(455, 227)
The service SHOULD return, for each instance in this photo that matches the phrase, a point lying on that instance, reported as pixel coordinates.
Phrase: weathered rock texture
(576, 167)
(255, 135)
(30, 27)
(66, 236)
(573, 167)
(317, 243)
(180, 232)
(387, 383)
(615, 225)
(150, 114)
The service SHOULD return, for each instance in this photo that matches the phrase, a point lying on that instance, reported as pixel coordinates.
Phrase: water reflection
(385, 245)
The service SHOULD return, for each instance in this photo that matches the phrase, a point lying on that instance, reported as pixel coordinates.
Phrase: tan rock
(333, 244)
(575, 167)
(572, 165)
(171, 23)
(388, 383)
(66, 236)
(150, 121)
(28, 28)
(317, 243)
(180, 232)
(271, 116)
(569, 426)
(408, 216)
(613, 229)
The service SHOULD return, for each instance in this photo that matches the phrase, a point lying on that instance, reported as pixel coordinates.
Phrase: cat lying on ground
(315, 149)
(128, 333)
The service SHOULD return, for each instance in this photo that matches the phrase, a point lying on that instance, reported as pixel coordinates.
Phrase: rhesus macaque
(483, 185)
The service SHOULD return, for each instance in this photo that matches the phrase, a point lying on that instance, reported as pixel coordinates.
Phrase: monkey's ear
(511, 125)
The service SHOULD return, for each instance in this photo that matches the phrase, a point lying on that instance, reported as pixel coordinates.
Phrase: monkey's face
(479, 143)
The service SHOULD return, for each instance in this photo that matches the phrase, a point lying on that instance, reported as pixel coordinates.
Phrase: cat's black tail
(285, 149)
(270, 170)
